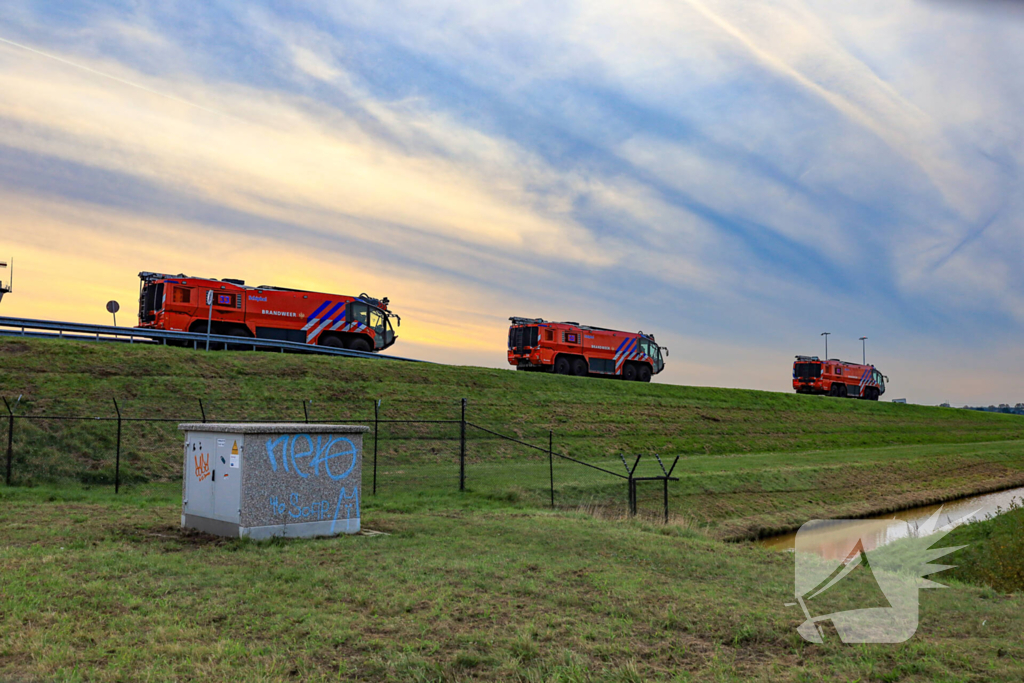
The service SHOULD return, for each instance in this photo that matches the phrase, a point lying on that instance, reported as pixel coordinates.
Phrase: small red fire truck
(179, 302)
(574, 349)
(811, 375)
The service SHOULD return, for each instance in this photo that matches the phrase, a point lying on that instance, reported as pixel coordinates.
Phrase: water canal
(953, 513)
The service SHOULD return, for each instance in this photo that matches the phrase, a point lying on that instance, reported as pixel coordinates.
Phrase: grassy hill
(487, 584)
(105, 588)
(751, 461)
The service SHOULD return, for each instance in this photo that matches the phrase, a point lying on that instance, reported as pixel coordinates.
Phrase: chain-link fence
(420, 447)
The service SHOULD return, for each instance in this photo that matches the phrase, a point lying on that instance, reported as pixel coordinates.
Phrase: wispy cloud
(717, 170)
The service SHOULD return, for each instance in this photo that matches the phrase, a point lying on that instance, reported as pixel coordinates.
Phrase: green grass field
(751, 462)
(101, 588)
(490, 584)
(994, 552)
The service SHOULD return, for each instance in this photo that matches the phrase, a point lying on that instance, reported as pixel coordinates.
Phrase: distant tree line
(1001, 408)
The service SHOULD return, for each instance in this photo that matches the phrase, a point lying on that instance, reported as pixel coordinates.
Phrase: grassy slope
(98, 588)
(103, 588)
(994, 555)
(752, 461)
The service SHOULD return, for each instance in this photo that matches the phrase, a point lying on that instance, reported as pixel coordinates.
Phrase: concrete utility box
(263, 480)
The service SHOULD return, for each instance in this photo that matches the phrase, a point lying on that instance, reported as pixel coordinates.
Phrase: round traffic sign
(113, 307)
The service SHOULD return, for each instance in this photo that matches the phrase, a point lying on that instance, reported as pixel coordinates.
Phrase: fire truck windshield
(654, 351)
(522, 338)
(151, 300)
(382, 332)
(806, 370)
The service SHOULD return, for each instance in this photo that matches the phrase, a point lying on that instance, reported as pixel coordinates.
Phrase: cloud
(312, 64)
(265, 154)
(728, 170)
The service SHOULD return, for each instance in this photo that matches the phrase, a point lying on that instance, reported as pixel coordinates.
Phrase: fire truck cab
(179, 302)
(834, 377)
(569, 348)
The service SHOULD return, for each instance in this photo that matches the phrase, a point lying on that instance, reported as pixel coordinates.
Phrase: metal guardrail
(54, 329)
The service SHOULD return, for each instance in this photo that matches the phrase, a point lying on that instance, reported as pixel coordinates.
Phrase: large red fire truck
(811, 375)
(179, 302)
(574, 349)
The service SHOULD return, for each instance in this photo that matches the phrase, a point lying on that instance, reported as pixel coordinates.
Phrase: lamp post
(863, 351)
(825, 335)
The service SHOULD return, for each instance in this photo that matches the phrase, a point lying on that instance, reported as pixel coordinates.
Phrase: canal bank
(907, 522)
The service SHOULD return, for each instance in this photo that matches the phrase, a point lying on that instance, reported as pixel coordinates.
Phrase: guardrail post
(376, 426)
(117, 463)
(551, 465)
(462, 449)
(10, 439)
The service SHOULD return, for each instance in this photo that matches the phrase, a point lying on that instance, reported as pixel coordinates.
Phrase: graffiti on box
(329, 458)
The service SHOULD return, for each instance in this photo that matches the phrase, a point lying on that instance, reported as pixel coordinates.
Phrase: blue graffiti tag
(297, 455)
(320, 454)
(318, 509)
(348, 506)
(271, 445)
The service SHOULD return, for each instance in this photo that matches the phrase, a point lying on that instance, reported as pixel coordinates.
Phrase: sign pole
(112, 308)
(209, 318)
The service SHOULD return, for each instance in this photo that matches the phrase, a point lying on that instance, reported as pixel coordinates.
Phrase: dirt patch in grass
(14, 348)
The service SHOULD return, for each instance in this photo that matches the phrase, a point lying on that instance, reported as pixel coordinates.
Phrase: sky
(734, 177)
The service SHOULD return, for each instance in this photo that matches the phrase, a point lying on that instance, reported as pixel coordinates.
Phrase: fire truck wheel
(842, 391)
(359, 345)
(563, 366)
(629, 372)
(579, 367)
(834, 391)
(333, 341)
(238, 332)
(644, 374)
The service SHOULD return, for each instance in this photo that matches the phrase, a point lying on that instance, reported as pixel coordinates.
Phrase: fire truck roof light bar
(540, 321)
(149, 277)
(829, 360)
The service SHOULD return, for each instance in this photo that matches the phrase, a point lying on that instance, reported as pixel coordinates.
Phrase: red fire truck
(811, 375)
(179, 302)
(574, 349)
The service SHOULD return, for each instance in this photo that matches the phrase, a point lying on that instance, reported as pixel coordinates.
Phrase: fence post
(202, 409)
(665, 483)
(462, 449)
(665, 480)
(117, 463)
(631, 482)
(376, 426)
(10, 439)
(668, 475)
(551, 464)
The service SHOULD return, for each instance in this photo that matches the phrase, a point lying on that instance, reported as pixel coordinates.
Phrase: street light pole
(825, 335)
(863, 351)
